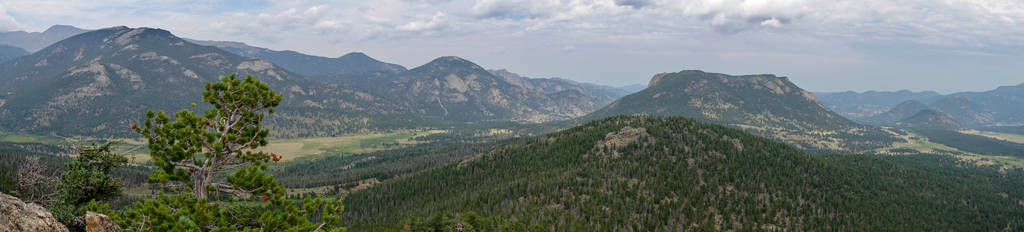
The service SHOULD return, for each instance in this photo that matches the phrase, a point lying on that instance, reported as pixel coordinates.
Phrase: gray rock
(16, 215)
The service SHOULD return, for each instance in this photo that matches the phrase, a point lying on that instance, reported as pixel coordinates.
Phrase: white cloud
(772, 22)
(7, 23)
(726, 31)
(435, 22)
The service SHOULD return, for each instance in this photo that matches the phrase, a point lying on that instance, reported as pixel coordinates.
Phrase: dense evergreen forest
(641, 173)
(974, 143)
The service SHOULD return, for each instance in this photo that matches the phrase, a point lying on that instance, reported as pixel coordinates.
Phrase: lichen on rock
(16, 215)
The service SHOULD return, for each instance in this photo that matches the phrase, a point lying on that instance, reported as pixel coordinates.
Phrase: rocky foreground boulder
(95, 222)
(16, 215)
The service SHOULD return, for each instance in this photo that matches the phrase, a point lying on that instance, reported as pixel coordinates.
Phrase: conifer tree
(193, 155)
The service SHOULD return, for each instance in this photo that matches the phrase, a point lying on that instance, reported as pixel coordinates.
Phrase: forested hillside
(766, 105)
(639, 173)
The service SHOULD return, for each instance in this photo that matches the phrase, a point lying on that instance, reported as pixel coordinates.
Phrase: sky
(821, 45)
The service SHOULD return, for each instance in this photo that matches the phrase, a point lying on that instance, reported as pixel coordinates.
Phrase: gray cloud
(634, 3)
(7, 23)
(820, 42)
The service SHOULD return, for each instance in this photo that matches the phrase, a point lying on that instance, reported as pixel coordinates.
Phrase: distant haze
(946, 46)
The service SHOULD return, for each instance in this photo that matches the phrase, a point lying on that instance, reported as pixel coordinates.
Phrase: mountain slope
(554, 85)
(456, 89)
(999, 107)
(859, 106)
(899, 112)
(34, 41)
(638, 173)
(96, 83)
(967, 110)
(930, 119)
(764, 104)
(8, 52)
(587, 96)
(314, 67)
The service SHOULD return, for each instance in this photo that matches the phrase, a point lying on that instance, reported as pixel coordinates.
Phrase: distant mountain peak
(931, 119)
(62, 28)
(911, 103)
(355, 55)
(115, 28)
(144, 32)
(34, 41)
(452, 62)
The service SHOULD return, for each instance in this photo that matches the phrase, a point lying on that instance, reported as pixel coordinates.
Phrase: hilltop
(930, 119)
(767, 105)
(639, 173)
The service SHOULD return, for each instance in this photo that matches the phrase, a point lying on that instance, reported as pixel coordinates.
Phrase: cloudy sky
(822, 45)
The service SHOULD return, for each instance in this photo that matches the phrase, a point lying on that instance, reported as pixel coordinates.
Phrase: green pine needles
(213, 177)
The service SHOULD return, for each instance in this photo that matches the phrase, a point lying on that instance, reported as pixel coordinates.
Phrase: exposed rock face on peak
(34, 41)
(554, 85)
(764, 104)
(624, 137)
(456, 89)
(513, 78)
(657, 78)
(16, 215)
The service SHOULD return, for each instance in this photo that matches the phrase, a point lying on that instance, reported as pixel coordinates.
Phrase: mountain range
(313, 67)
(858, 106)
(998, 107)
(97, 82)
(767, 105)
(457, 89)
(34, 41)
(526, 99)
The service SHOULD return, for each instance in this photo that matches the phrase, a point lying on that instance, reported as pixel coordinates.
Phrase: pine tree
(192, 151)
(86, 181)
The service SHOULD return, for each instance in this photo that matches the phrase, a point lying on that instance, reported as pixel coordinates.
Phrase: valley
(264, 138)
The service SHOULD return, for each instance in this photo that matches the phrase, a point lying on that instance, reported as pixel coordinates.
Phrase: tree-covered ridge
(766, 105)
(639, 173)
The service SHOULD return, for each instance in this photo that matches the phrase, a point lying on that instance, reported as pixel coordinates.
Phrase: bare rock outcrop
(624, 137)
(95, 222)
(16, 215)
